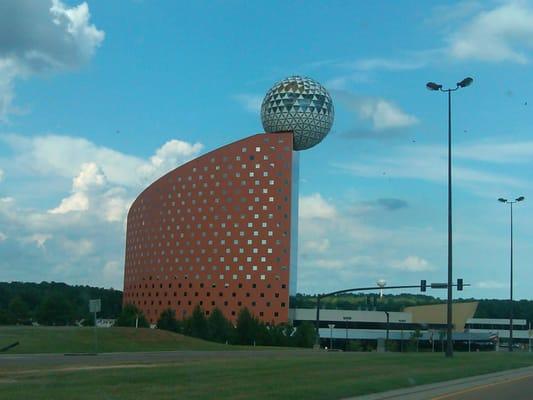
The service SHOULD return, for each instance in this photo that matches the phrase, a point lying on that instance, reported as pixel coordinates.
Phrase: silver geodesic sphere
(301, 105)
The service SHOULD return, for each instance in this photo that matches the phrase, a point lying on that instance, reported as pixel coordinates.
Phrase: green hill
(81, 340)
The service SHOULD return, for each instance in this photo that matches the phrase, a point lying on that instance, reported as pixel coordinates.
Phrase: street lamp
(511, 202)
(437, 87)
(346, 319)
(387, 337)
(331, 326)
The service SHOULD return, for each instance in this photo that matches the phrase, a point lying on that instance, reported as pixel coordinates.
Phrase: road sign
(95, 305)
(439, 285)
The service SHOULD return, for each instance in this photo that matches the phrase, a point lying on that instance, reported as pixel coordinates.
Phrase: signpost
(95, 305)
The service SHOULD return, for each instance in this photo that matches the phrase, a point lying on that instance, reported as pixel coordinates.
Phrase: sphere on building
(300, 105)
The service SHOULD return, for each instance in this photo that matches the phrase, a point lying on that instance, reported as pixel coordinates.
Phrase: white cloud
(169, 156)
(413, 264)
(39, 239)
(497, 152)
(3, 237)
(115, 204)
(316, 246)
(112, 273)
(85, 228)
(78, 248)
(429, 163)
(77, 201)
(1, 174)
(90, 175)
(369, 64)
(250, 102)
(504, 33)
(41, 37)
(62, 155)
(492, 285)
(383, 114)
(314, 206)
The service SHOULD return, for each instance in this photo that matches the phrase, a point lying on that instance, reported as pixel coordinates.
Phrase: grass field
(81, 340)
(283, 376)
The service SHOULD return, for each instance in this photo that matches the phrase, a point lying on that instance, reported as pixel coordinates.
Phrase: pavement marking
(473, 389)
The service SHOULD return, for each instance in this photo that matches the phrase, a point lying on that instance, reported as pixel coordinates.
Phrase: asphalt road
(505, 385)
(520, 388)
(25, 361)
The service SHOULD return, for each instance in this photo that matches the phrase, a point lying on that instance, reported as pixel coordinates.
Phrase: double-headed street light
(511, 202)
(437, 87)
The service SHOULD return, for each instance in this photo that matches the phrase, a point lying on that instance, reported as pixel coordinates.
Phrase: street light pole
(387, 337)
(434, 86)
(331, 326)
(518, 199)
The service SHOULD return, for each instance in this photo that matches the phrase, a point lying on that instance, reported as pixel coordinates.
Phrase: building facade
(218, 231)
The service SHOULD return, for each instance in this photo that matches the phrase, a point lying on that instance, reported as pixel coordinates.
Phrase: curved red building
(218, 231)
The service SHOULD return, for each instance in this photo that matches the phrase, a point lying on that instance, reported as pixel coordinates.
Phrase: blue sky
(98, 99)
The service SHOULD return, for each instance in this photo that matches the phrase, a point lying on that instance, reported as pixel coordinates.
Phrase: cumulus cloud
(314, 206)
(413, 264)
(383, 115)
(1, 174)
(89, 177)
(77, 201)
(39, 37)
(55, 155)
(250, 102)
(3, 237)
(80, 235)
(504, 33)
(169, 156)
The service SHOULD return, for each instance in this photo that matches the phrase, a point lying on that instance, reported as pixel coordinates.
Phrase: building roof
(436, 314)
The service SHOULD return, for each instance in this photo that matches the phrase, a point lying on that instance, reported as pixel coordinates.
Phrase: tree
(218, 327)
(196, 325)
(129, 315)
(167, 321)
(56, 310)
(247, 327)
(18, 309)
(305, 335)
(280, 335)
(5, 317)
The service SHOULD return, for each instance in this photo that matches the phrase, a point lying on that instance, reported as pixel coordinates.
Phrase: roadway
(513, 384)
(24, 361)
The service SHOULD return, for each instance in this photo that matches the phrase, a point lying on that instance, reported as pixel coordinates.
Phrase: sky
(99, 98)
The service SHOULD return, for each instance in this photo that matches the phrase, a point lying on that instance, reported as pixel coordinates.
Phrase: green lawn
(80, 340)
(282, 376)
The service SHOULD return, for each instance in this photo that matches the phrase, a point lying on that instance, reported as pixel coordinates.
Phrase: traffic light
(423, 285)
(459, 284)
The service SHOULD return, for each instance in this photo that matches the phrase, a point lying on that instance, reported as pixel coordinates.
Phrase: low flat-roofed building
(425, 323)
(499, 327)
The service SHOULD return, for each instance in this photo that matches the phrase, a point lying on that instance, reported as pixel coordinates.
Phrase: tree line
(247, 330)
(53, 303)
